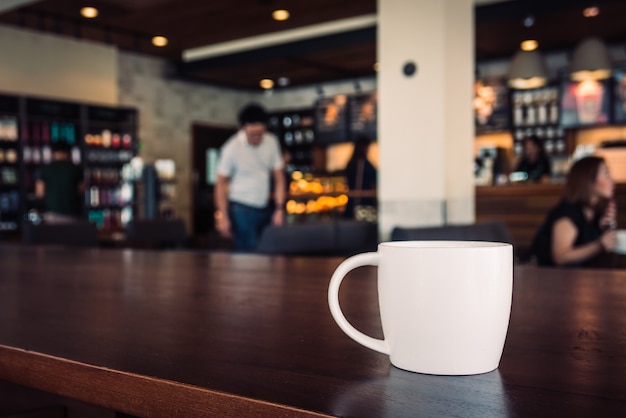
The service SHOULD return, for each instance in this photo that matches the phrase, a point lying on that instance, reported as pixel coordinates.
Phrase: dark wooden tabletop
(168, 334)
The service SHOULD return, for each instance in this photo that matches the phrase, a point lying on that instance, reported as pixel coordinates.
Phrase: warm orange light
(280, 14)
(529, 45)
(591, 11)
(266, 83)
(159, 41)
(376, 66)
(89, 12)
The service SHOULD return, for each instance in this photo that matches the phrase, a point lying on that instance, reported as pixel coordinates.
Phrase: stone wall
(167, 110)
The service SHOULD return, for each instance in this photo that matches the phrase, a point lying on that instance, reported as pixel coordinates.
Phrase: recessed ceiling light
(529, 45)
(283, 81)
(280, 14)
(89, 12)
(591, 11)
(159, 41)
(266, 83)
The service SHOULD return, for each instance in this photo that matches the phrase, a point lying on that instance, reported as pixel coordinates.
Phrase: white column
(425, 121)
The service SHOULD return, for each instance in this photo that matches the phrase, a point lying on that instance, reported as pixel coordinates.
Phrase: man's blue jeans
(247, 224)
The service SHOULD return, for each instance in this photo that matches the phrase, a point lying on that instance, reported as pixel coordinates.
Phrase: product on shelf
(536, 113)
(8, 128)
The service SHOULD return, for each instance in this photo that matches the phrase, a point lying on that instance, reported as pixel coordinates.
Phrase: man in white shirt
(248, 161)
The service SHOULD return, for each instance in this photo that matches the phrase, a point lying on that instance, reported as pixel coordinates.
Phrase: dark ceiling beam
(332, 69)
(76, 24)
(519, 9)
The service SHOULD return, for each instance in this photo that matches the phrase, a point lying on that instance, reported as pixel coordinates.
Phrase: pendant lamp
(527, 70)
(590, 61)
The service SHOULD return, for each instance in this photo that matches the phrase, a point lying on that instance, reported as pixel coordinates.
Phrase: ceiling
(188, 24)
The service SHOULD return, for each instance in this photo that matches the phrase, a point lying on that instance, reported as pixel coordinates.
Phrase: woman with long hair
(582, 226)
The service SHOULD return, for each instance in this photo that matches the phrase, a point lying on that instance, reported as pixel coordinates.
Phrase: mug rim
(443, 244)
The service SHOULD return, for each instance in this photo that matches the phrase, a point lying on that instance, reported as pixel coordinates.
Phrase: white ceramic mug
(444, 305)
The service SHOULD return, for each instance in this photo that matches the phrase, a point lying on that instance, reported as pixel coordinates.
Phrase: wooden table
(191, 334)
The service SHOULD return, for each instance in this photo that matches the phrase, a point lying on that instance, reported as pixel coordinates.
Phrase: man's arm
(222, 223)
(278, 217)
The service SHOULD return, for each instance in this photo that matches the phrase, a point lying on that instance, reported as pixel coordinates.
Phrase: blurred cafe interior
(146, 98)
(142, 309)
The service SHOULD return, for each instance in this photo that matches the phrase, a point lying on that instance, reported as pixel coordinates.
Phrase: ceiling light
(591, 11)
(283, 81)
(529, 45)
(527, 70)
(590, 61)
(280, 14)
(159, 41)
(89, 12)
(266, 83)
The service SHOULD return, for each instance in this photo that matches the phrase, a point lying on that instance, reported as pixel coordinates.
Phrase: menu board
(619, 107)
(491, 105)
(331, 120)
(584, 103)
(363, 116)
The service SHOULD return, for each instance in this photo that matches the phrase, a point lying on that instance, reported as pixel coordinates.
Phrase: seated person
(534, 162)
(580, 227)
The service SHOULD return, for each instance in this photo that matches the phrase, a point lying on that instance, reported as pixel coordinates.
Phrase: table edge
(130, 393)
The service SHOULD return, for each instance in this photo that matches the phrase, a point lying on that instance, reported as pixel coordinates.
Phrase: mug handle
(365, 259)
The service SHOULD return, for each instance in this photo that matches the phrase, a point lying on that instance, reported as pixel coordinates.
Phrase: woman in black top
(581, 226)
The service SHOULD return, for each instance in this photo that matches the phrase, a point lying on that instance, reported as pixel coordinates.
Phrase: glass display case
(315, 197)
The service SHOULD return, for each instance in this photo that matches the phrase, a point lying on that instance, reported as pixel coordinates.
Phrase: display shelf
(537, 112)
(109, 144)
(9, 164)
(44, 125)
(30, 130)
(295, 130)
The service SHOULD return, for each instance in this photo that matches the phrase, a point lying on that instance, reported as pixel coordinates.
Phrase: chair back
(77, 233)
(495, 231)
(338, 238)
(156, 233)
(296, 239)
